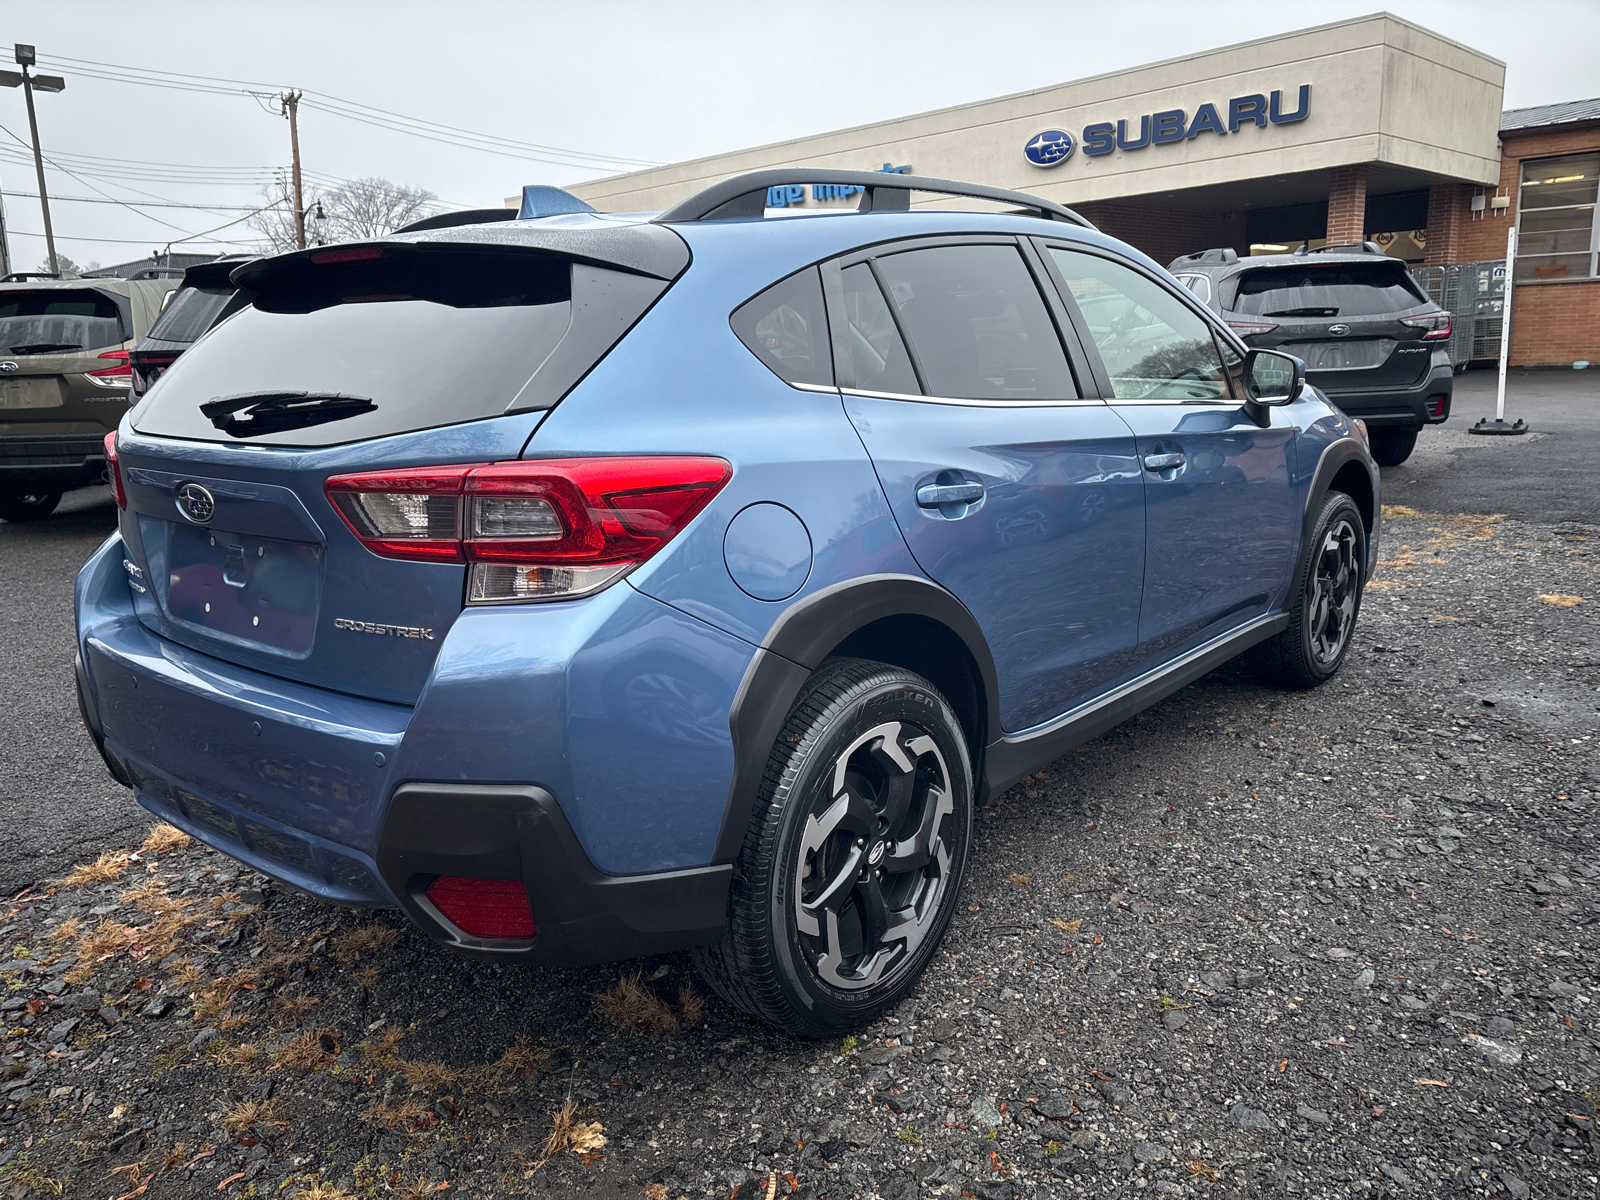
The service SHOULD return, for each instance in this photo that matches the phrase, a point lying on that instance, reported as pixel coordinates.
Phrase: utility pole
(291, 109)
(45, 83)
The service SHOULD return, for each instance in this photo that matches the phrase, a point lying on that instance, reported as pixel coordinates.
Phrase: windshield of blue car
(58, 321)
(1326, 290)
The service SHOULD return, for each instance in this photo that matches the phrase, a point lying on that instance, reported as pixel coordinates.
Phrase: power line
(132, 203)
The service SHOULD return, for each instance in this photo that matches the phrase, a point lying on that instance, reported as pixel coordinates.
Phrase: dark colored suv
(201, 300)
(1372, 343)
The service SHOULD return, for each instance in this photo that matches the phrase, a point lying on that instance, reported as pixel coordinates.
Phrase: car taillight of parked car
(114, 469)
(118, 376)
(545, 529)
(147, 368)
(1437, 325)
(1246, 328)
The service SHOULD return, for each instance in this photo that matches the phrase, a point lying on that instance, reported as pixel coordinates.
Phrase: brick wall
(1347, 205)
(1165, 233)
(1555, 324)
(1486, 238)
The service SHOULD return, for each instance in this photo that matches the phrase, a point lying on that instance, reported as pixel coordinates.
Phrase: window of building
(1153, 345)
(978, 324)
(1556, 229)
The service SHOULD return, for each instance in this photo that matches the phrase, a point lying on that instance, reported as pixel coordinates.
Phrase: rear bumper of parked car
(1428, 403)
(64, 461)
(334, 795)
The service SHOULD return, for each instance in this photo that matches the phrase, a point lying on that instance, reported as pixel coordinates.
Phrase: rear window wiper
(44, 348)
(1303, 312)
(258, 413)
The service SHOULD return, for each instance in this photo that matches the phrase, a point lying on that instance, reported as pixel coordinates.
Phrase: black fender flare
(1334, 458)
(796, 645)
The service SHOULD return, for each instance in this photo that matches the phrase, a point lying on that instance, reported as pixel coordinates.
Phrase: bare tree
(352, 212)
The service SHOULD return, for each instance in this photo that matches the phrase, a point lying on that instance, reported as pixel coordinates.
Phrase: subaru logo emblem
(1049, 149)
(195, 503)
(8, 366)
(1338, 330)
(875, 855)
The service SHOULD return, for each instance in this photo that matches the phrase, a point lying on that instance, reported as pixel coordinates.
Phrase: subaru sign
(1049, 149)
(1053, 147)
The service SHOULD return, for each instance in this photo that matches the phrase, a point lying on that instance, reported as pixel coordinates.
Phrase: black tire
(1392, 444)
(28, 504)
(1325, 603)
(898, 747)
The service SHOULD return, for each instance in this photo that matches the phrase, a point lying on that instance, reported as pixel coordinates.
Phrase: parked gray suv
(1372, 343)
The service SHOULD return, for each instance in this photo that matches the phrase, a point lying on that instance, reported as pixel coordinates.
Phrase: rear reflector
(114, 469)
(1436, 406)
(542, 529)
(486, 908)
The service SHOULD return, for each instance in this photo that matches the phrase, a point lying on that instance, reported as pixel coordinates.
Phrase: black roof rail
(746, 195)
(467, 216)
(24, 276)
(1222, 254)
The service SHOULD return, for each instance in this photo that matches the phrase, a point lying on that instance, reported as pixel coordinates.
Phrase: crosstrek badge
(405, 631)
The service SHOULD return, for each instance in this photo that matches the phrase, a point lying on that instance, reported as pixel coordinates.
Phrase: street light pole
(45, 83)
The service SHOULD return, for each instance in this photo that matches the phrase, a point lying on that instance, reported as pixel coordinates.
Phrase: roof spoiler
(467, 216)
(746, 195)
(1353, 248)
(1223, 254)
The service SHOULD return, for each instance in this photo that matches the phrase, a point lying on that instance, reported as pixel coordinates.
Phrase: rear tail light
(1437, 325)
(547, 529)
(118, 376)
(147, 368)
(1436, 406)
(114, 469)
(486, 908)
(1246, 328)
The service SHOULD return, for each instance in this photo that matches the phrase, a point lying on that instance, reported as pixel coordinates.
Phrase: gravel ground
(1250, 944)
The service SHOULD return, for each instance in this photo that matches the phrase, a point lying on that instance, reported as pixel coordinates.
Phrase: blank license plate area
(252, 588)
(31, 393)
(1340, 356)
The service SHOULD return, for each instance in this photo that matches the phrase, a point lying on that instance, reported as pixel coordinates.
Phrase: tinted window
(787, 329)
(877, 354)
(58, 320)
(977, 323)
(190, 313)
(1153, 345)
(1329, 290)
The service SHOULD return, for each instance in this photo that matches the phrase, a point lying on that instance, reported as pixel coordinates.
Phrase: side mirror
(1272, 379)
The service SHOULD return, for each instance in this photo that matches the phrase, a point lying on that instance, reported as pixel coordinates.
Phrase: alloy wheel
(873, 864)
(1332, 590)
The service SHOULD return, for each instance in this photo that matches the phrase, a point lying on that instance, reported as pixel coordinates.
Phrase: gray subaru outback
(1372, 343)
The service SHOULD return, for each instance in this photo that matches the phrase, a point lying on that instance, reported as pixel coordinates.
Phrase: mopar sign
(1053, 147)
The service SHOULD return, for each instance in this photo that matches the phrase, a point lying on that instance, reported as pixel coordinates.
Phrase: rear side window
(977, 324)
(59, 321)
(787, 329)
(877, 352)
(348, 350)
(1326, 290)
(190, 313)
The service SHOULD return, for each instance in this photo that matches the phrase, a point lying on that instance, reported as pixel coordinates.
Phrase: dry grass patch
(104, 940)
(369, 939)
(233, 1058)
(102, 870)
(381, 1049)
(428, 1076)
(247, 1114)
(164, 839)
(632, 1004)
(1561, 599)
(401, 1115)
(322, 1191)
(307, 1052)
(67, 930)
(522, 1057)
(569, 1133)
(295, 1007)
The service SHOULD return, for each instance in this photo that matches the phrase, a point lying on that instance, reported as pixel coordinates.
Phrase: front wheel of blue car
(854, 854)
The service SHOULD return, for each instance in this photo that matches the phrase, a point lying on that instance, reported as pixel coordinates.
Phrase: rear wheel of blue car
(854, 854)
(1322, 617)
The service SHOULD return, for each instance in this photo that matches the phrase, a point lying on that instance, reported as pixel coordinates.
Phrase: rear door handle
(931, 495)
(1164, 462)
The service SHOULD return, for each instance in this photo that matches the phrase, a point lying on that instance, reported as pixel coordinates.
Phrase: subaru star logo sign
(195, 503)
(1049, 149)
(1338, 330)
(8, 366)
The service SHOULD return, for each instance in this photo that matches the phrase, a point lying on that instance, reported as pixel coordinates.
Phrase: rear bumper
(1408, 406)
(362, 802)
(70, 460)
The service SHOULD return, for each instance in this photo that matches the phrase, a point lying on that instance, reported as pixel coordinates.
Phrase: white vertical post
(1505, 320)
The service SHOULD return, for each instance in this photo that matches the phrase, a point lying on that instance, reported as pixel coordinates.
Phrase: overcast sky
(622, 80)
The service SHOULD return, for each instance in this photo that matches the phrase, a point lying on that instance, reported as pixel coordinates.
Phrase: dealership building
(1372, 128)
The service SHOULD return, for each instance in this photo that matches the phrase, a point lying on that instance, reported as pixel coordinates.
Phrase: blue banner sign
(795, 193)
(1053, 147)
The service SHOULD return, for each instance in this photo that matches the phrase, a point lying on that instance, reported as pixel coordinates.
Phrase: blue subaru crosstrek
(593, 585)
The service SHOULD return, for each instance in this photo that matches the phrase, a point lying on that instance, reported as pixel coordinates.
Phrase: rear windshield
(190, 314)
(1326, 290)
(344, 351)
(59, 321)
